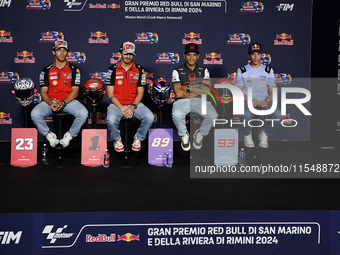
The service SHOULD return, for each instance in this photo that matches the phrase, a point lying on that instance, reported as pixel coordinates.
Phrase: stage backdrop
(95, 30)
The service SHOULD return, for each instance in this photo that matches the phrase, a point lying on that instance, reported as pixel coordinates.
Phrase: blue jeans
(182, 107)
(114, 115)
(74, 108)
(269, 126)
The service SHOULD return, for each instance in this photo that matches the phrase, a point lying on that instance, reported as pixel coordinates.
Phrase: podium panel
(160, 143)
(94, 144)
(24, 147)
(226, 147)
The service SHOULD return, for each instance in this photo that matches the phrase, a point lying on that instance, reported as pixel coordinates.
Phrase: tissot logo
(8, 237)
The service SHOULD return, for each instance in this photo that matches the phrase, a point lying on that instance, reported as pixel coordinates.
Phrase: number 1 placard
(94, 142)
(24, 147)
(160, 143)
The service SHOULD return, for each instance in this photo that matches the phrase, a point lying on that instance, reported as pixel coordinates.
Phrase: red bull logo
(163, 56)
(101, 38)
(96, 75)
(101, 118)
(51, 36)
(238, 38)
(192, 37)
(128, 237)
(104, 6)
(283, 78)
(114, 6)
(148, 77)
(115, 58)
(39, 4)
(252, 7)
(232, 77)
(283, 39)
(167, 58)
(24, 57)
(47, 34)
(8, 77)
(76, 57)
(142, 38)
(3, 75)
(146, 37)
(5, 118)
(5, 33)
(101, 238)
(286, 119)
(5, 37)
(213, 59)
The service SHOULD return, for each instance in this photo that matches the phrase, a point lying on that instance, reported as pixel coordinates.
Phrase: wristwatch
(134, 105)
(188, 88)
(64, 103)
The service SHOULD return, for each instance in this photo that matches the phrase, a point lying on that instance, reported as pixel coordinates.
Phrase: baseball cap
(60, 44)
(255, 47)
(191, 47)
(128, 48)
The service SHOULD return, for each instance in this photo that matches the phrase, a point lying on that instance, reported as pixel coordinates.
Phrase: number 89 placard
(160, 143)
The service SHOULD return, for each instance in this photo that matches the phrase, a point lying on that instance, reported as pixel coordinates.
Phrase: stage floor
(71, 187)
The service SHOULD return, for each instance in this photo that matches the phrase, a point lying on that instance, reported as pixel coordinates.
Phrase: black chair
(128, 128)
(59, 118)
(252, 153)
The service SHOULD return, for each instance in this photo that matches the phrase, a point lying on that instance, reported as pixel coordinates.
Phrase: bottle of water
(44, 153)
(169, 159)
(106, 162)
(242, 157)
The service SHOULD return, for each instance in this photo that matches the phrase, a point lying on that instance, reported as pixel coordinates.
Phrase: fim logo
(6, 237)
(213, 59)
(128, 237)
(283, 39)
(192, 38)
(285, 7)
(4, 3)
(99, 36)
(58, 234)
(5, 37)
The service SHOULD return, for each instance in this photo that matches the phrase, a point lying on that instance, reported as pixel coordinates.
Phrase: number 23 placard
(24, 147)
